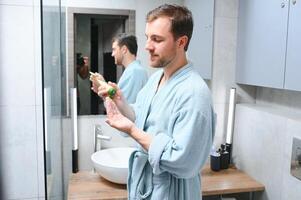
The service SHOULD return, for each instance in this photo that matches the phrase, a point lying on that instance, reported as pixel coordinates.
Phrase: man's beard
(163, 63)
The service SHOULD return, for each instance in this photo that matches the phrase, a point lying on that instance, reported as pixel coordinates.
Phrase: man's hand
(120, 122)
(116, 119)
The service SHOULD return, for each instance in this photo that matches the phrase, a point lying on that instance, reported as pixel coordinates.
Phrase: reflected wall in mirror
(93, 31)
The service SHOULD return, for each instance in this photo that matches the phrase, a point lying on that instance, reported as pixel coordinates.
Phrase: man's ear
(182, 41)
(124, 49)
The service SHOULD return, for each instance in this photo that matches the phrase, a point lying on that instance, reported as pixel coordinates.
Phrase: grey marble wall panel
(262, 148)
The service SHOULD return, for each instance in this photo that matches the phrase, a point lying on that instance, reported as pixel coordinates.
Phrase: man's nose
(148, 45)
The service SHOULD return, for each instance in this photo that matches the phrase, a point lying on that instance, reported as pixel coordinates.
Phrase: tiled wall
(21, 135)
(262, 147)
(279, 98)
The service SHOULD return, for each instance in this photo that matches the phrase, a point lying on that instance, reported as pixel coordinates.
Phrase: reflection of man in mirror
(82, 66)
(134, 77)
(173, 118)
(82, 69)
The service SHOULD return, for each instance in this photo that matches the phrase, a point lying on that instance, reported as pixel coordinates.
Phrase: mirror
(93, 36)
(93, 31)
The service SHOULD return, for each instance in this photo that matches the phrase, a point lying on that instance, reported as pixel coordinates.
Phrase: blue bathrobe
(132, 81)
(181, 120)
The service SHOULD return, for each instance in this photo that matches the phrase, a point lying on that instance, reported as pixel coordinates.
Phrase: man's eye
(157, 40)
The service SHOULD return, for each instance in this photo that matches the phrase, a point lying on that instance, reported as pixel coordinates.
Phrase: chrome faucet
(98, 135)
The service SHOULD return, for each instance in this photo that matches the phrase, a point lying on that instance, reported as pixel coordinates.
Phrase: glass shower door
(53, 54)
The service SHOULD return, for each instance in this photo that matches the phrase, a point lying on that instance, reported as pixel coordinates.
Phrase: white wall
(21, 135)
(110, 4)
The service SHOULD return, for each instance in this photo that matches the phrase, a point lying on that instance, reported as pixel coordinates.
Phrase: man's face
(117, 53)
(160, 42)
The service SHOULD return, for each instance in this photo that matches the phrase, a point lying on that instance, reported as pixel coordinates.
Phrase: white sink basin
(112, 163)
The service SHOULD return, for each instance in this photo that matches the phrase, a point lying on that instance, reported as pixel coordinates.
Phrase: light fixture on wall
(231, 111)
(230, 122)
(74, 129)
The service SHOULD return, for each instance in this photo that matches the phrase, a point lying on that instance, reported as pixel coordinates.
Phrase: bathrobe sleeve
(131, 83)
(184, 149)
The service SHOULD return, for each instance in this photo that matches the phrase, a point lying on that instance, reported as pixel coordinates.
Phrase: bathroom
(36, 118)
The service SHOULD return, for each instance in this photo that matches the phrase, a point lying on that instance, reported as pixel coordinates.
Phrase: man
(134, 77)
(173, 114)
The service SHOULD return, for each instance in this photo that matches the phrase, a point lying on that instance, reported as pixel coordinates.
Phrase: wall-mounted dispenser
(296, 158)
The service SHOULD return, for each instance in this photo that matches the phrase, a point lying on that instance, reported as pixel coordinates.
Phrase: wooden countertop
(227, 181)
(86, 185)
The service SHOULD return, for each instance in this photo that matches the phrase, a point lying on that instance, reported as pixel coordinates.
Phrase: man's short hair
(180, 16)
(127, 40)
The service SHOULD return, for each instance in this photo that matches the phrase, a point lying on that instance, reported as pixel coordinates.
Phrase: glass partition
(53, 87)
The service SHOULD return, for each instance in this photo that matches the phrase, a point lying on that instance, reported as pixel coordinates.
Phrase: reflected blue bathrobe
(181, 120)
(132, 81)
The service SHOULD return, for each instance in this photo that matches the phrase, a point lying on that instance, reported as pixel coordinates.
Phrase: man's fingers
(114, 85)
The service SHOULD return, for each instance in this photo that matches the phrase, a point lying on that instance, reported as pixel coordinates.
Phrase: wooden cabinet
(268, 44)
